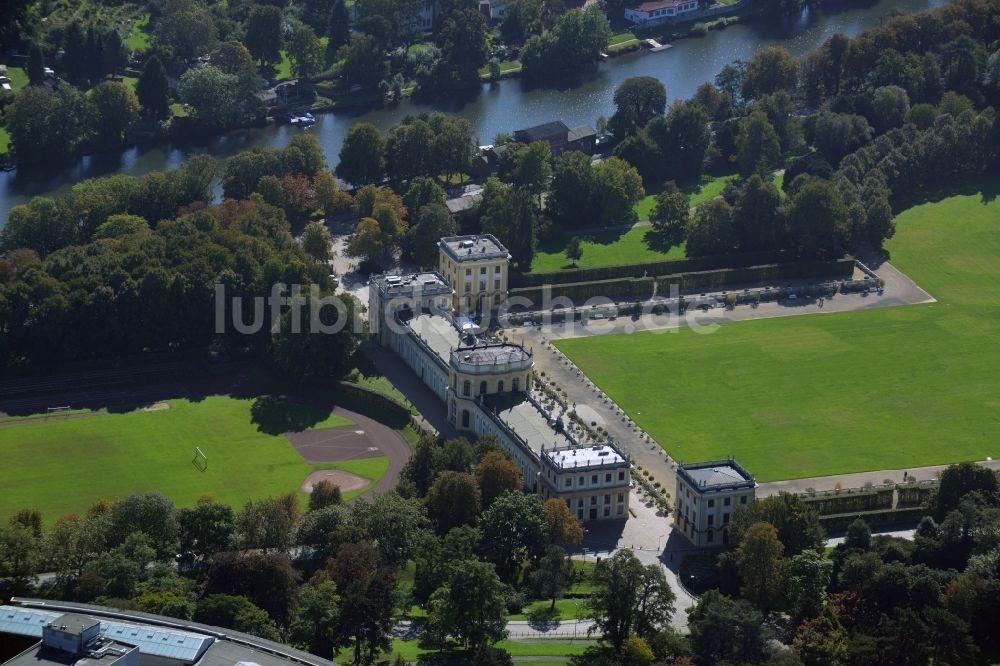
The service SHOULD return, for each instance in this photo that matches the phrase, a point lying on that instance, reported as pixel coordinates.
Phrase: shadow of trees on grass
(275, 415)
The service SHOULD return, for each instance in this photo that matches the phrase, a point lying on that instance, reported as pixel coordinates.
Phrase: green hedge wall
(915, 495)
(621, 289)
(664, 267)
(372, 404)
(724, 277)
(847, 502)
(885, 517)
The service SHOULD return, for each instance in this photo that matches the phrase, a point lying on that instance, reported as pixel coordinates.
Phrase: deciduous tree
(496, 474)
(470, 605)
(630, 598)
(453, 500)
(362, 155)
(759, 558)
(637, 100)
(152, 88)
(263, 33)
(514, 529)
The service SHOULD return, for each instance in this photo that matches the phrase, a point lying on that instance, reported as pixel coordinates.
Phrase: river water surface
(501, 107)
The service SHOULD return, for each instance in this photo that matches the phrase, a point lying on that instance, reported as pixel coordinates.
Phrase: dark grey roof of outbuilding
(545, 132)
(582, 132)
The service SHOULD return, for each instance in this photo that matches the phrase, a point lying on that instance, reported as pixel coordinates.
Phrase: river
(501, 107)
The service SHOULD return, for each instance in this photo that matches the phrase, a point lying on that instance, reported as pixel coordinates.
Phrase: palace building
(485, 386)
(707, 495)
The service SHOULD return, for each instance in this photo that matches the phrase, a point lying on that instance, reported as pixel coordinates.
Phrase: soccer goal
(200, 461)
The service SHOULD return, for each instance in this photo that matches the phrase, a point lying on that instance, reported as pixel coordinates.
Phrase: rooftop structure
(584, 132)
(491, 353)
(552, 131)
(439, 334)
(132, 638)
(716, 475)
(659, 4)
(406, 286)
(599, 455)
(518, 413)
(707, 494)
(658, 11)
(463, 249)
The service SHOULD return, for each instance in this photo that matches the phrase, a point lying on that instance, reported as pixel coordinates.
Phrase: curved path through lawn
(359, 438)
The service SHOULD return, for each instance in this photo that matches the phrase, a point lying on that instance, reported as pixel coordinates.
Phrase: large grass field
(63, 466)
(820, 394)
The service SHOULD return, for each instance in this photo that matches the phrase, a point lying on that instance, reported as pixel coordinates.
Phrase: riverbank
(494, 108)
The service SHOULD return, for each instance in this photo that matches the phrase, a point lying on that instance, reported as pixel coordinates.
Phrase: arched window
(482, 388)
(467, 387)
(515, 384)
(465, 418)
(500, 386)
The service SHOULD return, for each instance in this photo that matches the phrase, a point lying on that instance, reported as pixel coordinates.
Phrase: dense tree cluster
(124, 265)
(576, 39)
(873, 600)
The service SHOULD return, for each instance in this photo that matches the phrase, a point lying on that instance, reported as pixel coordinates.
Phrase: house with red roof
(659, 11)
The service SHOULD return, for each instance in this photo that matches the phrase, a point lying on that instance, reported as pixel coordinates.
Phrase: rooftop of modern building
(162, 641)
(582, 457)
(714, 475)
(403, 285)
(470, 248)
(72, 623)
(103, 653)
(526, 420)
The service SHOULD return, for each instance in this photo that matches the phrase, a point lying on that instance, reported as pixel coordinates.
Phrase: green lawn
(138, 38)
(413, 650)
(506, 67)
(621, 38)
(566, 609)
(891, 388)
(606, 248)
(4, 140)
(710, 186)
(18, 77)
(62, 466)
(369, 468)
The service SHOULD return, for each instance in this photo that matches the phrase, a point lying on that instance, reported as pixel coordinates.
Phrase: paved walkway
(859, 479)
(650, 536)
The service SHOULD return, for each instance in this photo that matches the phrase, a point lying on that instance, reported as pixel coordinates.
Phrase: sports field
(820, 394)
(62, 466)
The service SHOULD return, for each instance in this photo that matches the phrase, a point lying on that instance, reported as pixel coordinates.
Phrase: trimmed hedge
(372, 404)
(620, 289)
(655, 268)
(753, 274)
(841, 521)
(641, 288)
(914, 494)
(850, 501)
